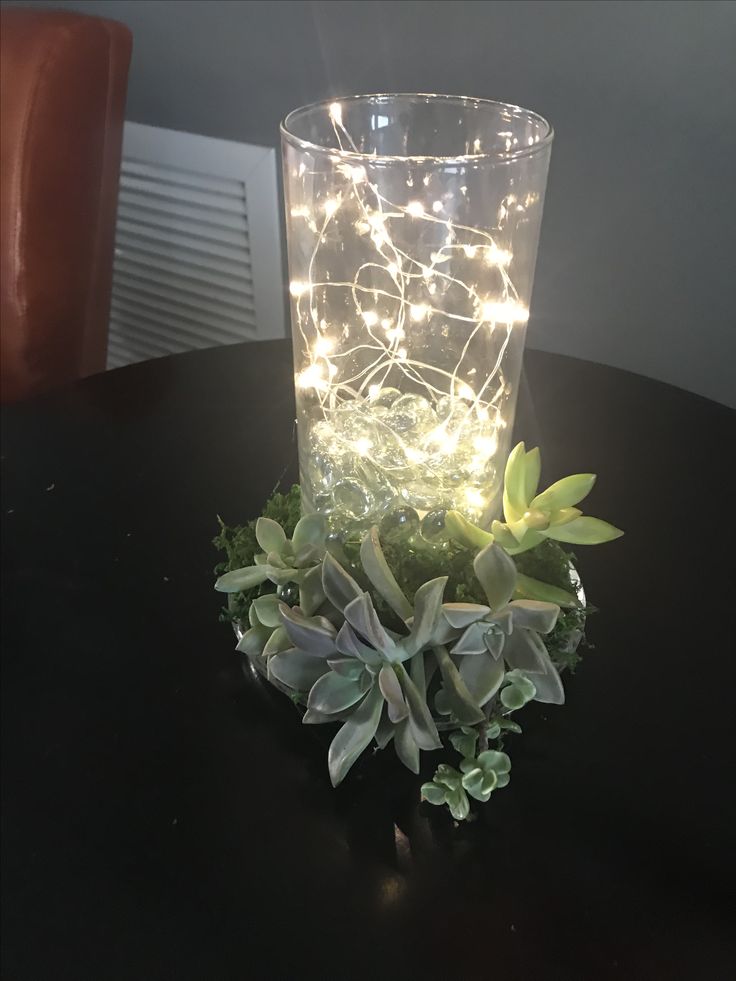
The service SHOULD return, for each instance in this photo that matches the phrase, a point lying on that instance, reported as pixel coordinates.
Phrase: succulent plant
(532, 517)
(283, 560)
(447, 788)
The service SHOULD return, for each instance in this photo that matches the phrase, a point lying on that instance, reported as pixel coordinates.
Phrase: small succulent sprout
(489, 772)
(464, 740)
(282, 560)
(447, 788)
(266, 635)
(532, 517)
(517, 691)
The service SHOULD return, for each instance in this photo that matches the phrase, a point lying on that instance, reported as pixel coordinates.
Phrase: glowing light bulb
(497, 257)
(437, 206)
(415, 209)
(418, 311)
(363, 445)
(504, 312)
(387, 323)
(374, 391)
(401, 353)
(370, 317)
(392, 269)
(362, 227)
(486, 445)
(299, 212)
(311, 377)
(414, 455)
(296, 288)
(470, 250)
(323, 346)
(330, 206)
(465, 391)
(474, 498)
(395, 334)
(336, 113)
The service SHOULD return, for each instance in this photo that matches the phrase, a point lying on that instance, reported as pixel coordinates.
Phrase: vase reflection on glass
(413, 223)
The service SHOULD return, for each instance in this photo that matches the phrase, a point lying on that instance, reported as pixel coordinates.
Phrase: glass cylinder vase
(412, 226)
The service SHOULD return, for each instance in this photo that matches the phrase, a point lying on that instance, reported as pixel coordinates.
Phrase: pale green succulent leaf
(270, 535)
(406, 746)
(310, 530)
(253, 641)
(463, 531)
(514, 501)
(564, 493)
(267, 610)
(533, 589)
(340, 587)
(482, 676)
(534, 615)
(385, 732)
(502, 535)
(334, 693)
(433, 793)
(461, 615)
(585, 531)
(496, 573)
(421, 723)
(532, 473)
(277, 642)
(495, 761)
(457, 801)
(354, 736)
(348, 667)
(564, 516)
(464, 741)
(314, 636)
(362, 617)
(447, 776)
(349, 644)
(241, 579)
(462, 704)
(391, 691)
(377, 569)
(295, 669)
(473, 640)
(427, 612)
(311, 593)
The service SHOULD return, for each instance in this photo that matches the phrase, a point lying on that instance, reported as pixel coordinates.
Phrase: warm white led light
(504, 312)
(323, 346)
(296, 288)
(415, 209)
(418, 311)
(370, 317)
(336, 113)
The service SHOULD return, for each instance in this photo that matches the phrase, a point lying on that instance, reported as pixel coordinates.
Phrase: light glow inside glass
(412, 224)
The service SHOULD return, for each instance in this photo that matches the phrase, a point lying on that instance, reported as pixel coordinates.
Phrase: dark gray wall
(637, 260)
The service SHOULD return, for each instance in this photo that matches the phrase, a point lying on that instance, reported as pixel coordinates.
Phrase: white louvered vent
(197, 246)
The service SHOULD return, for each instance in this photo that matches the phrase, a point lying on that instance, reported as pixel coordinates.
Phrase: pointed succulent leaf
(532, 472)
(311, 593)
(564, 493)
(241, 579)
(464, 741)
(350, 645)
(310, 530)
(253, 641)
(286, 575)
(584, 531)
(530, 540)
(348, 667)
(534, 615)
(418, 674)
(496, 573)
(355, 735)
(391, 691)
(406, 746)
(564, 516)
(277, 642)
(473, 641)
(253, 617)
(313, 635)
(422, 725)
(461, 615)
(270, 535)
(314, 718)
(295, 669)
(340, 587)
(334, 693)
(548, 684)
(495, 643)
(533, 589)
(433, 793)
(385, 732)
(463, 706)
(362, 617)
(267, 610)
(463, 531)
(307, 556)
(514, 502)
(427, 612)
(377, 569)
(482, 677)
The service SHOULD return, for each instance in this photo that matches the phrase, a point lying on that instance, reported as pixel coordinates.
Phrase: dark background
(637, 252)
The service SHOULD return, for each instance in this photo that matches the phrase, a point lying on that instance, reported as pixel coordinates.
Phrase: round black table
(165, 817)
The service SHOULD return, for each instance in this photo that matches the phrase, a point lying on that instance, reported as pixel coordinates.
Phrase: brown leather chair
(63, 81)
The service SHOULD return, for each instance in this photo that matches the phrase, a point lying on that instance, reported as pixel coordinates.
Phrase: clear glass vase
(413, 223)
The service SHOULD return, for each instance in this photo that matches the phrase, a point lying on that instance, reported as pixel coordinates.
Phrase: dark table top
(166, 817)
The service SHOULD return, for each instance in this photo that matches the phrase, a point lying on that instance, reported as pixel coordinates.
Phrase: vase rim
(498, 155)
